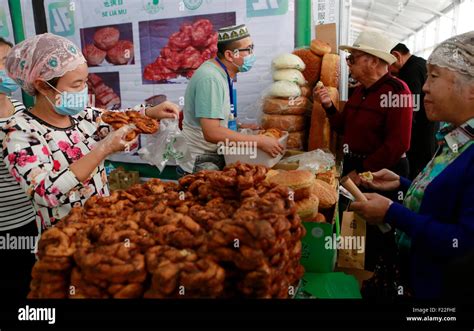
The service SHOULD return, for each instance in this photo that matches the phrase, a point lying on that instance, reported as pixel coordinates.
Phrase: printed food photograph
(108, 45)
(172, 49)
(105, 87)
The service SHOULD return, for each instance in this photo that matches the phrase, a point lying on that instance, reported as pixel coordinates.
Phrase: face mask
(72, 103)
(249, 61)
(7, 85)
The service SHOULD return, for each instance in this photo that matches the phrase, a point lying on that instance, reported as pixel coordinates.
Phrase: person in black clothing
(412, 70)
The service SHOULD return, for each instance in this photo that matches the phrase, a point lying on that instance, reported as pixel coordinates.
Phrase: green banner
(19, 34)
(303, 23)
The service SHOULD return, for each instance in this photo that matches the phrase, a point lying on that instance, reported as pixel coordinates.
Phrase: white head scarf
(456, 54)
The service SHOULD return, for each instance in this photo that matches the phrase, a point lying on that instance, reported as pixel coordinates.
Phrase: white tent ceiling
(397, 19)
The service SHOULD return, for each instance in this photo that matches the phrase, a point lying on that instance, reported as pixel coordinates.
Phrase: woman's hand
(373, 210)
(115, 141)
(269, 145)
(163, 110)
(112, 143)
(383, 180)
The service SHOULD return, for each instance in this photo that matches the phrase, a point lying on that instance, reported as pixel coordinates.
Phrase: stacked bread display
(287, 103)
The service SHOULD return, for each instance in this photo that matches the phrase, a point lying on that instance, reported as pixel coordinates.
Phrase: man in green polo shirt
(209, 102)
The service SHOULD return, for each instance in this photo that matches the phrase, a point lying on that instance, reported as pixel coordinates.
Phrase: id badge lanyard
(233, 112)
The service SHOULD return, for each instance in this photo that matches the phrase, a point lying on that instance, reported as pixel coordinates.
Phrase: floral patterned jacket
(38, 155)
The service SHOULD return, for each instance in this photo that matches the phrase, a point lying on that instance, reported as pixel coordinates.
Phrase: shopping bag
(352, 241)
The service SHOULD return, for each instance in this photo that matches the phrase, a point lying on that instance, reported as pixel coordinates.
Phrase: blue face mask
(72, 103)
(249, 61)
(7, 85)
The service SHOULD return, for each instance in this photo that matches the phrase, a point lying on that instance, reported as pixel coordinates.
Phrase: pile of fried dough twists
(216, 234)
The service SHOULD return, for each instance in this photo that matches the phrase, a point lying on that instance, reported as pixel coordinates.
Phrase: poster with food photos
(154, 47)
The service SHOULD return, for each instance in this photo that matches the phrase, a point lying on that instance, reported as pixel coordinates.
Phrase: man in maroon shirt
(376, 121)
(376, 125)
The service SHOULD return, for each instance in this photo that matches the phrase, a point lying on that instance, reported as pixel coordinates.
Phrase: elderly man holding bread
(376, 129)
(376, 120)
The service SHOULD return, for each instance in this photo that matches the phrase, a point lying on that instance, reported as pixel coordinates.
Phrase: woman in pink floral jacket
(53, 149)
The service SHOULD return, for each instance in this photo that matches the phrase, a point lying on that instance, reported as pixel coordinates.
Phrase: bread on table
(307, 208)
(300, 181)
(327, 176)
(326, 193)
(296, 140)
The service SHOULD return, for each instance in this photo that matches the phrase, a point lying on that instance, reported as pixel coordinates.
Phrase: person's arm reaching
(336, 118)
(209, 105)
(440, 238)
(214, 133)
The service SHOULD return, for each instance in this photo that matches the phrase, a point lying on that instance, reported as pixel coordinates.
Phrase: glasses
(350, 59)
(248, 49)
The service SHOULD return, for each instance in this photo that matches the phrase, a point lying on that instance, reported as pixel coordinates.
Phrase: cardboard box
(327, 33)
